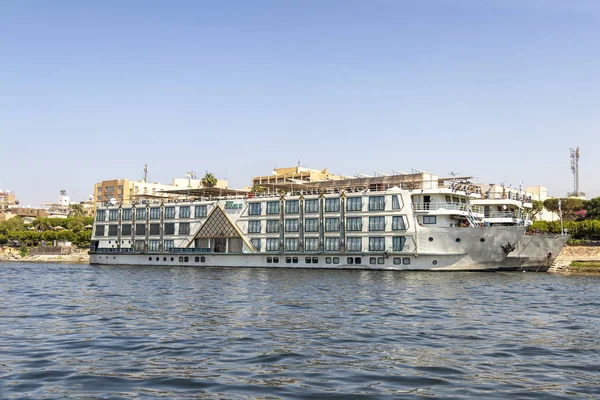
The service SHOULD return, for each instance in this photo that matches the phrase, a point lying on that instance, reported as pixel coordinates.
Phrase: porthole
(315, 260)
(457, 240)
(336, 260)
(180, 259)
(406, 261)
(434, 262)
(269, 260)
(186, 259)
(276, 260)
(350, 260)
(357, 260)
(380, 260)
(288, 260)
(308, 260)
(164, 258)
(196, 259)
(157, 258)
(202, 259)
(295, 260)
(172, 259)
(373, 260)
(482, 240)
(149, 258)
(397, 261)
(431, 239)
(327, 260)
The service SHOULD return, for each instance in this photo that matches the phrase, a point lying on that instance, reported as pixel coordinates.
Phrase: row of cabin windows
(331, 225)
(376, 203)
(141, 213)
(140, 229)
(329, 244)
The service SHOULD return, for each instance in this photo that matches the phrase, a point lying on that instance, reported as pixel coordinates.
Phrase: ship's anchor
(508, 248)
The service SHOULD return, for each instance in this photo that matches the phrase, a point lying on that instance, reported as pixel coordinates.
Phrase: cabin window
(292, 207)
(350, 260)
(99, 230)
(311, 244)
(155, 213)
(140, 213)
(308, 260)
(269, 260)
(398, 223)
(169, 212)
(184, 212)
(376, 244)
(272, 244)
(153, 245)
(311, 225)
(272, 226)
(354, 244)
(169, 228)
(113, 215)
(126, 214)
(196, 259)
(380, 260)
(354, 224)
(406, 261)
(154, 229)
(184, 228)
(336, 260)
(200, 211)
(140, 229)
(254, 226)
(254, 209)
(126, 230)
(398, 243)
(168, 245)
(357, 260)
(429, 219)
(256, 243)
(376, 203)
(397, 261)
(113, 230)
(332, 244)
(354, 204)
(295, 260)
(315, 260)
(276, 260)
(291, 225)
(327, 260)
(332, 224)
(291, 244)
(373, 260)
(332, 205)
(272, 207)
(100, 215)
(376, 223)
(288, 260)
(396, 202)
(311, 206)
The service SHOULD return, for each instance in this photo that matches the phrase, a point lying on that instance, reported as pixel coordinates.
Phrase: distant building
(7, 200)
(125, 191)
(281, 175)
(26, 213)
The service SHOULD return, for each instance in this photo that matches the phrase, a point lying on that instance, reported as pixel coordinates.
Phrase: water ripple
(72, 331)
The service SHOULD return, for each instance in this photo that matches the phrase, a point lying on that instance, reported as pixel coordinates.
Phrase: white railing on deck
(442, 205)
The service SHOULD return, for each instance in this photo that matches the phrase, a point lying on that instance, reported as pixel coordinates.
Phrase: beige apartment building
(291, 174)
(125, 191)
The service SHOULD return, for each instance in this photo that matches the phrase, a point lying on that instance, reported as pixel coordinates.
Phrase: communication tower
(575, 170)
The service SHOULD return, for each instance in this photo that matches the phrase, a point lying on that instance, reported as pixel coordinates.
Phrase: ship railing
(111, 250)
(506, 214)
(190, 250)
(434, 206)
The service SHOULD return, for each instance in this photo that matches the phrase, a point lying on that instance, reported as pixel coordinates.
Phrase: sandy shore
(78, 256)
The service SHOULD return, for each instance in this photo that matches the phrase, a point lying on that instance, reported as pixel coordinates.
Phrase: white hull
(535, 253)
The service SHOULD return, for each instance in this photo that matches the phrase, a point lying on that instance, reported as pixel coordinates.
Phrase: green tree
(13, 224)
(76, 210)
(538, 207)
(593, 208)
(569, 206)
(209, 180)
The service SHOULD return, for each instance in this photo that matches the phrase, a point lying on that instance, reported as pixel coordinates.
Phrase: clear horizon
(499, 90)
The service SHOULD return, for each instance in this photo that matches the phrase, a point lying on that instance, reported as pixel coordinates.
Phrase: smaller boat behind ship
(533, 252)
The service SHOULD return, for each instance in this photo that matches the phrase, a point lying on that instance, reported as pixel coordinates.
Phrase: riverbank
(577, 259)
(78, 256)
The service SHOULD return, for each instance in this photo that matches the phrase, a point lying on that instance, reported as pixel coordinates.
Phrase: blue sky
(495, 89)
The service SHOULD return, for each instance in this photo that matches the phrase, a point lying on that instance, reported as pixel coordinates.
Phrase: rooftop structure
(295, 174)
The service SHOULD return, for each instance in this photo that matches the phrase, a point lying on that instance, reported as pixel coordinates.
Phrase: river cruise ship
(384, 225)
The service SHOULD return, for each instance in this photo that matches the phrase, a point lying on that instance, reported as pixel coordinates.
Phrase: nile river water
(82, 332)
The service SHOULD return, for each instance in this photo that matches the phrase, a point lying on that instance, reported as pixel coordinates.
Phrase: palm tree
(76, 210)
(209, 180)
